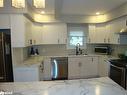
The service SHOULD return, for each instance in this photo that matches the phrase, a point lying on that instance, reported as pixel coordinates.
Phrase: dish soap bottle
(32, 52)
(36, 52)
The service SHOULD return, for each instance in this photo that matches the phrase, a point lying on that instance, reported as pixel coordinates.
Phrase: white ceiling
(89, 7)
(83, 7)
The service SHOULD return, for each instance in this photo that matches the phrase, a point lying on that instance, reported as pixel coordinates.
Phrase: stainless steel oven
(118, 72)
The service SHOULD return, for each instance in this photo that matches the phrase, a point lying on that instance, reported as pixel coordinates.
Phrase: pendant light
(18, 3)
(39, 3)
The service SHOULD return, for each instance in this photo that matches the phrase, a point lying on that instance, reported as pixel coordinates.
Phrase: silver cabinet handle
(58, 41)
(118, 40)
(104, 40)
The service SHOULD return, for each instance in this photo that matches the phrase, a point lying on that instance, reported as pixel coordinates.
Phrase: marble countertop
(31, 62)
(93, 86)
(37, 60)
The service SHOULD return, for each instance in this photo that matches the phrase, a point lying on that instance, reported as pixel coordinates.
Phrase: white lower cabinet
(82, 67)
(26, 74)
(104, 66)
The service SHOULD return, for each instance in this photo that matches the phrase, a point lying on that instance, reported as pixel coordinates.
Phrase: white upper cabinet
(20, 30)
(97, 33)
(107, 33)
(115, 27)
(54, 33)
(101, 33)
(17, 30)
(4, 21)
(37, 37)
(92, 34)
(28, 32)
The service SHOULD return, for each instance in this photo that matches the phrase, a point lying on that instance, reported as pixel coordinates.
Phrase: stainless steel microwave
(103, 50)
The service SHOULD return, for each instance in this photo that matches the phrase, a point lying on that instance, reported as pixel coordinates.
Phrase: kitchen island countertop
(93, 86)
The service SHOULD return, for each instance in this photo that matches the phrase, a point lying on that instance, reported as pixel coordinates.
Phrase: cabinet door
(37, 34)
(62, 35)
(89, 67)
(103, 66)
(26, 74)
(92, 34)
(50, 34)
(17, 30)
(114, 37)
(74, 68)
(94, 66)
(85, 67)
(28, 32)
(101, 33)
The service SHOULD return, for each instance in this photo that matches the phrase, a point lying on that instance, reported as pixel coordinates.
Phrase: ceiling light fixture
(97, 13)
(1, 3)
(42, 12)
(18, 3)
(39, 3)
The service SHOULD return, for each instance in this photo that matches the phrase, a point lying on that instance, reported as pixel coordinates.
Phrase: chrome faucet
(78, 50)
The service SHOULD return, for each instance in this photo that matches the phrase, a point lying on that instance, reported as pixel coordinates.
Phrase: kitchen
(63, 47)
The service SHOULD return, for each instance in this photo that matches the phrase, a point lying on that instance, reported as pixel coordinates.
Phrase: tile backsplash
(20, 54)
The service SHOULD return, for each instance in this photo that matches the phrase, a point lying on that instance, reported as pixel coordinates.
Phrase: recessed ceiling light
(97, 13)
(42, 12)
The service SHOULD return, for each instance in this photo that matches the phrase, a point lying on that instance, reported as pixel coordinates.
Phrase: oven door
(117, 74)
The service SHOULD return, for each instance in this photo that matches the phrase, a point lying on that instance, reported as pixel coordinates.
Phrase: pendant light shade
(1, 3)
(39, 3)
(18, 3)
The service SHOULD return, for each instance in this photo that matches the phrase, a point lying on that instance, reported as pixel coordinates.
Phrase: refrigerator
(6, 70)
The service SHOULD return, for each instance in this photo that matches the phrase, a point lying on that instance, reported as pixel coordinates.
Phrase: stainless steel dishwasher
(59, 68)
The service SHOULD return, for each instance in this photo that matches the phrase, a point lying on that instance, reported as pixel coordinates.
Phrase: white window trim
(76, 28)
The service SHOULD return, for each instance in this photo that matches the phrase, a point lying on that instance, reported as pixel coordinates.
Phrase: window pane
(76, 33)
(76, 39)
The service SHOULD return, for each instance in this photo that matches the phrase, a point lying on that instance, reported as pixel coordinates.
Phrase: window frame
(77, 28)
